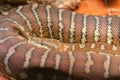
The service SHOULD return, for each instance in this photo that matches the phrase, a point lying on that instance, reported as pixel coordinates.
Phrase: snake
(45, 37)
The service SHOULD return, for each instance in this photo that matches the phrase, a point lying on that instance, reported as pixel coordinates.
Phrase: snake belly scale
(43, 36)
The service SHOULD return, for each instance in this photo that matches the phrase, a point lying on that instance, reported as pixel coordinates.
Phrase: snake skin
(43, 36)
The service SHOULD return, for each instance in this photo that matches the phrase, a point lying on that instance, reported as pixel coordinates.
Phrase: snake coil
(43, 36)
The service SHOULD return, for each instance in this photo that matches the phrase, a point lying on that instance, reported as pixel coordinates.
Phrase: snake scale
(43, 36)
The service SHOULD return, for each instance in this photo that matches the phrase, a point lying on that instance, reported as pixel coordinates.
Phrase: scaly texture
(91, 43)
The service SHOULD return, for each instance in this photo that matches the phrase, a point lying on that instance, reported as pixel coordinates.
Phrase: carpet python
(45, 37)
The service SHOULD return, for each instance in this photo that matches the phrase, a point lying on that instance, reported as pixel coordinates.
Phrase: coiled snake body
(43, 36)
